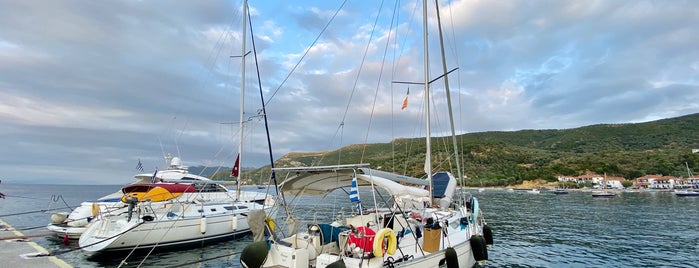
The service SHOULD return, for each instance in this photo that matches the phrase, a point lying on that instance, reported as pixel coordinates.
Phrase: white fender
(202, 225)
(58, 218)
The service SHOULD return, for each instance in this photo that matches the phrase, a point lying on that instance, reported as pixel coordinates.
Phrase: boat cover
(325, 179)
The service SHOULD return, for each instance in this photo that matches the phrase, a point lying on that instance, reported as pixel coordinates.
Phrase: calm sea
(648, 229)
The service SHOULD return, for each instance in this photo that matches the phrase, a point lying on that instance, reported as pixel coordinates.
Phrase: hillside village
(648, 182)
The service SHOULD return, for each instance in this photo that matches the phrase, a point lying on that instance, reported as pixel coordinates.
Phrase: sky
(90, 88)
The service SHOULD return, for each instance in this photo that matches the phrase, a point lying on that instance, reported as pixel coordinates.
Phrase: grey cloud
(155, 72)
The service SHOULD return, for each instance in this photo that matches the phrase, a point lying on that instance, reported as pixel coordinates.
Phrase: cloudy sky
(89, 88)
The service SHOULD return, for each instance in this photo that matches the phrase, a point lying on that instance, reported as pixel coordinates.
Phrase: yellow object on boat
(137, 195)
(156, 194)
(95, 209)
(270, 223)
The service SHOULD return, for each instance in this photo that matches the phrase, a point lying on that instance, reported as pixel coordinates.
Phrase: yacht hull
(116, 234)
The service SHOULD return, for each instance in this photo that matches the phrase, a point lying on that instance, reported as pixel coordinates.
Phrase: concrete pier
(17, 250)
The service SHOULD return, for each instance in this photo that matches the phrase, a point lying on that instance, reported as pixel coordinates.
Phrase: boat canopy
(325, 179)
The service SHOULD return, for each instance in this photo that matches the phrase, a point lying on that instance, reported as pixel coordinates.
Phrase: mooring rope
(55, 199)
(33, 211)
(19, 196)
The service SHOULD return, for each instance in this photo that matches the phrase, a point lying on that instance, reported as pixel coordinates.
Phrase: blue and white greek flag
(358, 206)
(139, 166)
(354, 194)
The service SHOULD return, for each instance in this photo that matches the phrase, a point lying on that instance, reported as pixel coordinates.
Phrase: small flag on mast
(139, 166)
(235, 171)
(354, 194)
(405, 101)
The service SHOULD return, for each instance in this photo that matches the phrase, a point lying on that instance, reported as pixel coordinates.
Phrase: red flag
(236, 168)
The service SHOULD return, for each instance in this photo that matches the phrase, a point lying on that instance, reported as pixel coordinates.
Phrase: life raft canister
(363, 237)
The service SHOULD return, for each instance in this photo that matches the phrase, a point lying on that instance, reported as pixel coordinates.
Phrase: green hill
(500, 158)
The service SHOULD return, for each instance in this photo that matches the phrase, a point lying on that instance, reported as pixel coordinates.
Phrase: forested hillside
(499, 158)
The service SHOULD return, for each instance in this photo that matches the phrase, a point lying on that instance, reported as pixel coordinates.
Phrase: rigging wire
(340, 128)
(361, 64)
(204, 260)
(306, 52)
(458, 85)
(157, 243)
(400, 55)
(182, 203)
(409, 143)
(393, 75)
(378, 82)
(264, 109)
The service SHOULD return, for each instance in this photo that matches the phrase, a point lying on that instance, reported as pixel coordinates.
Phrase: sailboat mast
(446, 86)
(242, 97)
(426, 58)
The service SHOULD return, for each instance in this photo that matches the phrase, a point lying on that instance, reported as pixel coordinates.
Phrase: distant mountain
(499, 158)
(208, 171)
(680, 133)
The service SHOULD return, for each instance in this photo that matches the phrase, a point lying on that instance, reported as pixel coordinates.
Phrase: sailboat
(168, 214)
(687, 191)
(169, 208)
(159, 216)
(70, 225)
(421, 223)
(560, 191)
(604, 193)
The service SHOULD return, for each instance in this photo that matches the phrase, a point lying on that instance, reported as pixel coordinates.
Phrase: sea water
(646, 229)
